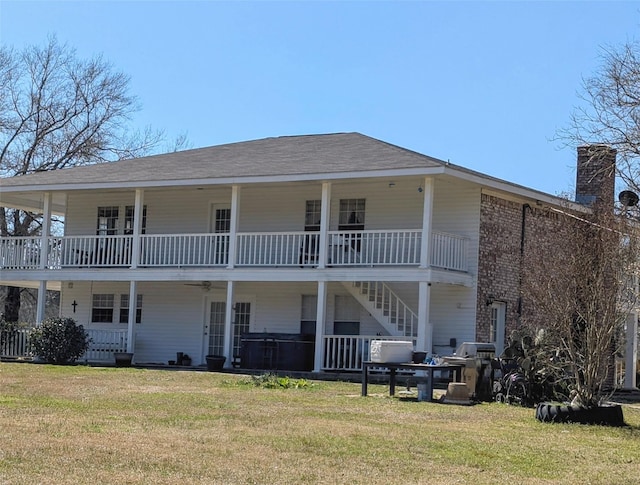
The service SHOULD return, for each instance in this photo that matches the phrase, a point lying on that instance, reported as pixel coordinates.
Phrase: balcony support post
(233, 227)
(425, 329)
(133, 306)
(42, 299)
(323, 245)
(228, 325)
(321, 311)
(138, 214)
(44, 256)
(427, 215)
(46, 231)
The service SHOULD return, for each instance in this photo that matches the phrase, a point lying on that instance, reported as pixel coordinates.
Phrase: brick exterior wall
(499, 262)
(507, 231)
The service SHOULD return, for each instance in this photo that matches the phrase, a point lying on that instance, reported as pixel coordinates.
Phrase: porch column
(133, 305)
(425, 329)
(427, 213)
(42, 299)
(631, 352)
(233, 229)
(46, 231)
(325, 211)
(44, 256)
(138, 213)
(228, 325)
(321, 313)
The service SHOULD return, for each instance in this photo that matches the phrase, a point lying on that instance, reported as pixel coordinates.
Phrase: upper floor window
(107, 221)
(312, 215)
(351, 216)
(129, 213)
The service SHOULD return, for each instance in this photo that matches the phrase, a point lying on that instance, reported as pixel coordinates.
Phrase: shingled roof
(286, 155)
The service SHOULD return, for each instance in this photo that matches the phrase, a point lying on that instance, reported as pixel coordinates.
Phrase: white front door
(496, 325)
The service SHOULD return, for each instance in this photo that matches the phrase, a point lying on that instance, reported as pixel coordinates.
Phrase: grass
(76, 425)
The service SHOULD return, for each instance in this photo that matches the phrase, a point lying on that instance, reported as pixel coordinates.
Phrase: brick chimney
(596, 176)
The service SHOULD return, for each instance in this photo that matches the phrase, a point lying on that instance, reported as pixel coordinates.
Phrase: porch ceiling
(51, 285)
(33, 201)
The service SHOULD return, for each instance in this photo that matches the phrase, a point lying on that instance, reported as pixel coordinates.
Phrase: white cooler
(391, 351)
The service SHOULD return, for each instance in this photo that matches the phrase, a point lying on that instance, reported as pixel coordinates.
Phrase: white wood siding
(173, 314)
(262, 208)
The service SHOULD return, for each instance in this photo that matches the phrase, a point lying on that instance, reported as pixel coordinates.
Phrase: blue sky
(485, 85)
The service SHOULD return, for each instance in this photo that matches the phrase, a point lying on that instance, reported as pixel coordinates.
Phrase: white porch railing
(104, 343)
(449, 251)
(354, 248)
(369, 248)
(16, 344)
(277, 249)
(184, 250)
(101, 349)
(347, 352)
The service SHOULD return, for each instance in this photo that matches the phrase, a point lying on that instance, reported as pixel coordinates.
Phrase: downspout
(523, 225)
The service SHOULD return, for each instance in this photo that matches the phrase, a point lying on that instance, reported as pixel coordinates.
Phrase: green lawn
(81, 425)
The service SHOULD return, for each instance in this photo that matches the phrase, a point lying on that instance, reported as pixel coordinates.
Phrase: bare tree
(59, 111)
(578, 291)
(610, 110)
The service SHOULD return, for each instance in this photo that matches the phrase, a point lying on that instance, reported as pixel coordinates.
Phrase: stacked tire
(562, 413)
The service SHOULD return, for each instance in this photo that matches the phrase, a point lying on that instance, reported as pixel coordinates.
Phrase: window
(107, 221)
(351, 216)
(308, 316)
(347, 316)
(129, 214)
(124, 308)
(312, 215)
(102, 308)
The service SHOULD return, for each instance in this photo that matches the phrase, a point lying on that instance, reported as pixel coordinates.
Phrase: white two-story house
(320, 241)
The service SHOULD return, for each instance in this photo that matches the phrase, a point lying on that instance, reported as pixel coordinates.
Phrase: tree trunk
(12, 304)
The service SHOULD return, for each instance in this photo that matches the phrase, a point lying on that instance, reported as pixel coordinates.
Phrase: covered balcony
(251, 249)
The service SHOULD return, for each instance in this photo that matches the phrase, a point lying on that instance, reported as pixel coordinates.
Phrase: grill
(476, 358)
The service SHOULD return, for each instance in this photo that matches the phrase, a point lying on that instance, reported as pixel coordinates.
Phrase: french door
(214, 326)
(221, 224)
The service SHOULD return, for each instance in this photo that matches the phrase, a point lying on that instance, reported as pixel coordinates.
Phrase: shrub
(272, 381)
(59, 340)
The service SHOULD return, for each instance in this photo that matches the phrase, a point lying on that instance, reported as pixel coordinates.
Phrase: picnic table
(454, 371)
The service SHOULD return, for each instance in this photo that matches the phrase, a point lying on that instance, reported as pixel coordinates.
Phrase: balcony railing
(352, 248)
(184, 250)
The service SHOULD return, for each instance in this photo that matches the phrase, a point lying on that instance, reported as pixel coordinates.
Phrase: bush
(272, 381)
(59, 340)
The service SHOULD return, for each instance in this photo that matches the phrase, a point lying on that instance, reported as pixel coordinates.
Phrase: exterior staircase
(383, 304)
